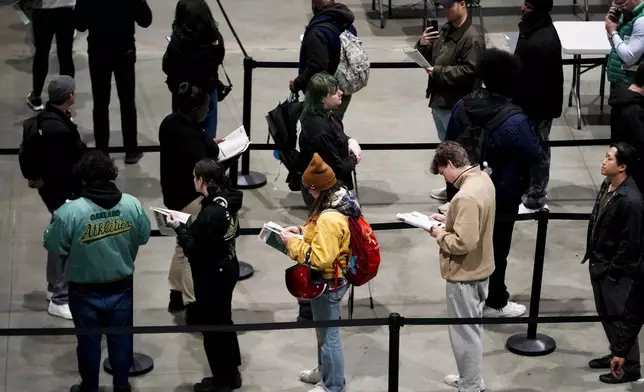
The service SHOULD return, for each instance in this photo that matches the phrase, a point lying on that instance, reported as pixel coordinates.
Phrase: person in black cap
(540, 92)
(112, 51)
(63, 150)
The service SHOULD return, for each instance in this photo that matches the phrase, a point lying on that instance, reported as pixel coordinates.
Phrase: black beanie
(541, 6)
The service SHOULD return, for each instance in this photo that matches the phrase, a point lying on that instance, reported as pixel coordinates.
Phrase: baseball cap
(447, 3)
(60, 88)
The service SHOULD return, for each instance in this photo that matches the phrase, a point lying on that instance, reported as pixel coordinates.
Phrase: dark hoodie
(191, 60)
(209, 242)
(540, 92)
(321, 46)
(519, 164)
(629, 125)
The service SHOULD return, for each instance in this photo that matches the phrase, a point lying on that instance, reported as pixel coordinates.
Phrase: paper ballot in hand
(419, 220)
(270, 235)
(160, 216)
(233, 145)
(415, 56)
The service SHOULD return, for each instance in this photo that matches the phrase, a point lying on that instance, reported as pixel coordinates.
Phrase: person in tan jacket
(466, 257)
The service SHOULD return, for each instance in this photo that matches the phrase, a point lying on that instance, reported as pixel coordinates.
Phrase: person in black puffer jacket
(209, 243)
(194, 54)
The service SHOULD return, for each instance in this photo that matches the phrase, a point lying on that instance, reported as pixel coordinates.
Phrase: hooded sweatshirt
(209, 241)
(99, 234)
(328, 236)
(191, 59)
(321, 46)
(519, 164)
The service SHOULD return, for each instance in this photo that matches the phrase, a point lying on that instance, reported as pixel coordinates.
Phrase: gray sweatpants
(466, 300)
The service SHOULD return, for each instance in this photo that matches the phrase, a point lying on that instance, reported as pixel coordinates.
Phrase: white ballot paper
(233, 145)
(160, 215)
(270, 234)
(525, 210)
(415, 56)
(419, 220)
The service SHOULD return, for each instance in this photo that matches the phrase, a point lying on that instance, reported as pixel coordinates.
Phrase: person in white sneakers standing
(466, 257)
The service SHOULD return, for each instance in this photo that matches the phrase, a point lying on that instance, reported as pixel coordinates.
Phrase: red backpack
(365, 253)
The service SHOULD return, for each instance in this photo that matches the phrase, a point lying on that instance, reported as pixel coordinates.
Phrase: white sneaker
(48, 295)
(439, 194)
(452, 380)
(512, 309)
(320, 388)
(313, 376)
(444, 209)
(61, 311)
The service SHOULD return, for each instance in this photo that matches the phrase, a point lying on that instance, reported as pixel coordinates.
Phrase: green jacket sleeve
(58, 236)
(463, 73)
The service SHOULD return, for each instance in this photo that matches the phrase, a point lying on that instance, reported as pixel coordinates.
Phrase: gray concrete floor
(391, 109)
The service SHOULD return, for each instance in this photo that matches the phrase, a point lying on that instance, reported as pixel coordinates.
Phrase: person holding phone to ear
(453, 52)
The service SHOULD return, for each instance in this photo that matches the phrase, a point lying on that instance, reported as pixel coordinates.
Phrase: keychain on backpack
(487, 169)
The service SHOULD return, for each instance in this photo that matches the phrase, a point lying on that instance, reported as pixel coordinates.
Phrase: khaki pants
(180, 275)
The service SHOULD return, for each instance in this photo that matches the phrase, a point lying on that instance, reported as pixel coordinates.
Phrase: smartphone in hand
(433, 23)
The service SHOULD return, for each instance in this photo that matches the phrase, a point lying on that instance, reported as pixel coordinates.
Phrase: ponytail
(213, 175)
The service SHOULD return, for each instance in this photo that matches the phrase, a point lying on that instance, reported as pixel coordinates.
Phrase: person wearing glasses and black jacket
(209, 244)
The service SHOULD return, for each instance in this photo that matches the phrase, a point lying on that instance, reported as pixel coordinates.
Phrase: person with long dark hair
(325, 247)
(194, 54)
(209, 244)
(184, 143)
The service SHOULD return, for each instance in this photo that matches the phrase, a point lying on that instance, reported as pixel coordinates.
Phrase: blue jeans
(98, 305)
(330, 357)
(210, 123)
(441, 120)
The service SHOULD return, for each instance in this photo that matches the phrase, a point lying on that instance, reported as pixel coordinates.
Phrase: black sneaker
(601, 363)
(35, 103)
(176, 302)
(133, 158)
(208, 387)
(623, 377)
(235, 383)
(123, 389)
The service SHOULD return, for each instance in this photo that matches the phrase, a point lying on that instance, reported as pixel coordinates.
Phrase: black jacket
(193, 61)
(111, 23)
(63, 149)
(320, 49)
(325, 135)
(183, 144)
(614, 241)
(540, 92)
(629, 125)
(519, 164)
(209, 242)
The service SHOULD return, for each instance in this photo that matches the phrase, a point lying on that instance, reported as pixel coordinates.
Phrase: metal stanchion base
(520, 344)
(252, 180)
(141, 364)
(245, 270)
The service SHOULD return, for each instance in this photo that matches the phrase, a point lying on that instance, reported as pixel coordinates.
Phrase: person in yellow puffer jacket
(327, 236)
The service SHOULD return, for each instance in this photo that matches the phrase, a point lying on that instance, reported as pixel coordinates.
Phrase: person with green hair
(322, 132)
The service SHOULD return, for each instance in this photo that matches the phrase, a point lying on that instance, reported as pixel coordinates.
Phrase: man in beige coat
(466, 257)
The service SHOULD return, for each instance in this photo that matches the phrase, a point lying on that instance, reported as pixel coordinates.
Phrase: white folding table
(584, 39)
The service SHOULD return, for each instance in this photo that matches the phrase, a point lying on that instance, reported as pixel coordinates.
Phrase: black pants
(102, 64)
(47, 23)
(214, 307)
(610, 300)
(502, 241)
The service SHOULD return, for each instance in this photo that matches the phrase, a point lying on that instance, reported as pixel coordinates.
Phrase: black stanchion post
(396, 321)
(248, 179)
(533, 344)
(141, 363)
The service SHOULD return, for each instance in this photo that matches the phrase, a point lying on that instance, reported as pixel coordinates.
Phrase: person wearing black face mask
(184, 143)
(540, 94)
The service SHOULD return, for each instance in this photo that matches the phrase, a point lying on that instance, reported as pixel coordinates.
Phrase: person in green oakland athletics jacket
(99, 235)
